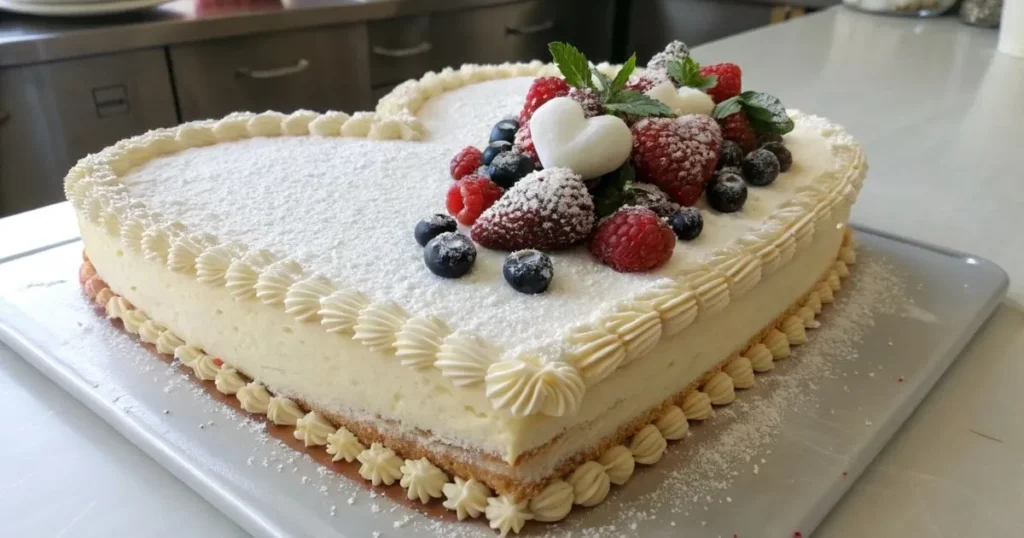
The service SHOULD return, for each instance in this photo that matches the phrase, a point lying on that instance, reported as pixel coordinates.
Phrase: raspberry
(676, 50)
(729, 80)
(541, 91)
(466, 162)
(678, 155)
(736, 127)
(548, 209)
(633, 239)
(646, 81)
(524, 144)
(470, 196)
(589, 100)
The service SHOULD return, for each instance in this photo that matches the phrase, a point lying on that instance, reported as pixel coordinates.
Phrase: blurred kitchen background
(70, 86)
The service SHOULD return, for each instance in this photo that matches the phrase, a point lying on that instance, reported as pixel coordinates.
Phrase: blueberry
(449, 255)
(726, 191)
(504, 130)
(760, 167)
(494, 148)
(528, 271)
(433, 226)
(768, 137)
(687, 223)
(732, 155)
(781, 153)
(508, 168)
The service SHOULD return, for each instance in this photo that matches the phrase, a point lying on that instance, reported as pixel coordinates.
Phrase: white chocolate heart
(564, 137)
(683, 101)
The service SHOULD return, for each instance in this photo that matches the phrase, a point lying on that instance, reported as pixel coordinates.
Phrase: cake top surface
(345, 208)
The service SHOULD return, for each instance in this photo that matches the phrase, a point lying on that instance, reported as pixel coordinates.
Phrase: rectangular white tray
(771, 465)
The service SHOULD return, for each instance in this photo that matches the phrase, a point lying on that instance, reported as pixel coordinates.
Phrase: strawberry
(729, 80)
(541, 91)
(678, 155)
(548, 209)
(470, 196)
(633, 239)
(736, 127)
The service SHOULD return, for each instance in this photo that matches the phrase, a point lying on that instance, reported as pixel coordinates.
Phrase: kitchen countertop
(937, 110)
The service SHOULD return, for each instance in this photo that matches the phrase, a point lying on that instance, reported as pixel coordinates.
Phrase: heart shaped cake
(666, 249)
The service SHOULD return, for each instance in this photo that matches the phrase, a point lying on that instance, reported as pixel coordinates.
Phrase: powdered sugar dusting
(346, 208)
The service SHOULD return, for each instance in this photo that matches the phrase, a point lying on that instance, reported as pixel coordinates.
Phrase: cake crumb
(375, 508)
(351, 500)
(304, 480)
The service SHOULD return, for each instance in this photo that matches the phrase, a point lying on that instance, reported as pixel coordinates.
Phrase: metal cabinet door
(318, 69)
(53, 114)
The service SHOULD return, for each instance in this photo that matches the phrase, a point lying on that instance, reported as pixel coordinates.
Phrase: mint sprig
(579, 73)
(765, 112)
(687, 73)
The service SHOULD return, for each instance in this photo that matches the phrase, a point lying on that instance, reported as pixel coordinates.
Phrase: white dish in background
(771, 464)
(50, 8)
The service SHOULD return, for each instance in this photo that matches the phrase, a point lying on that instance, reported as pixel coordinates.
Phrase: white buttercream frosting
(302, 300)
(697, 406)
(313, 429)
(422, 480)
(228, 380)
(340, 310)
(590, 484)
(741, 371)
(467, 498)
(527, 387)
(719, 389)
(205, 367)
(505, 514)
(273, 283)
(419, 340)
(254, 397)
(343, 445)
(648, 445)
(793, 327)
(378, 324)
(117, 306)
(760, 356)
(618, 463)
(167, 342)
(380, 465)
(553, 503)
(672, 423)
(149, 331)
(133, 320)
(283, 411)
(813, 302)
(464, 359)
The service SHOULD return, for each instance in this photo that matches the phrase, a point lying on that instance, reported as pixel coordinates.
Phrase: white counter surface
(940, 115)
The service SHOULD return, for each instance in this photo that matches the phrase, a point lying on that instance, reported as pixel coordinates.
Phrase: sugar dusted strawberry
(736, 127)
(466, 162)
(547, 210)
(729, 80)
(678, 155)
(470, 196)
(642, 83)
(676, 51)
(633, 239)
(541, 91)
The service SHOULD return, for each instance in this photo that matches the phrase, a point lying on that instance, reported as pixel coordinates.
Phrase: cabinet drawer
(53, 114)
(317, 69)
(406, 47)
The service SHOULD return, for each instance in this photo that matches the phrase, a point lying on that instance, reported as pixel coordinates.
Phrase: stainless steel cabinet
(53, 114)
(406, 47)
(317, 69)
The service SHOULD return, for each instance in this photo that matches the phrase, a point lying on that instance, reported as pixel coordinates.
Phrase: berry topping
(687, 223)
(524, 145)
(674, 51)
(528, 271)
(466, 162)
(504, 130)
(760, 167)
(471, 196)
(645, 82)
(433, 226)
(736, 127)
(589, 99)
(541, 91)
(633, 239)
(781, 153)
(493, 149)
(726, 191)
(676, 154)
(729, 80)
(449, 255)
(509, 167)
(651, 197)
(768, 137)
(732, 155)
(549, 209)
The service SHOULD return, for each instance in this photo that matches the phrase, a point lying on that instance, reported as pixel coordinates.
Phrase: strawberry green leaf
(572, 63)
(634, 103)
(686, 72)
(623, 75)
(727, 108)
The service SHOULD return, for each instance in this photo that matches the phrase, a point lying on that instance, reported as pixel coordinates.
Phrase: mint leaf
(572, 63)
(606, 84)
(610, 192)
(623, 75)
(687, 73)
(634, 103)
(766, 112)
(726, 108)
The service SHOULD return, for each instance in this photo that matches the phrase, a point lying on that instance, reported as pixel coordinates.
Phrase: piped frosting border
(517, 385)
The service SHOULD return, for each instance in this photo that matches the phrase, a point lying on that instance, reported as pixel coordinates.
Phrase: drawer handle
(276, 72)
(531, 29)
(422, 48)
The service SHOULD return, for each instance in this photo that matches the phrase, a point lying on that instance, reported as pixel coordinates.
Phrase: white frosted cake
(275, 254)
